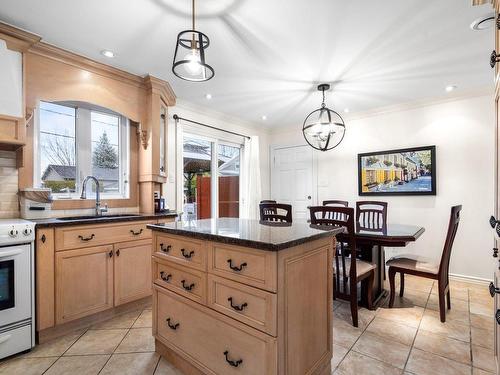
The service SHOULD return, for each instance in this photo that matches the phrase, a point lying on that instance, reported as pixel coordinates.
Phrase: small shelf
(11, 144)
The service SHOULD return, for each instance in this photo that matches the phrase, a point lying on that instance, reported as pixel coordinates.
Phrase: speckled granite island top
(249, 233)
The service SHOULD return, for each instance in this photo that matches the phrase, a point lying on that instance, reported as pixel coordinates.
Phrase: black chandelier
(189, 57)
(323, 128)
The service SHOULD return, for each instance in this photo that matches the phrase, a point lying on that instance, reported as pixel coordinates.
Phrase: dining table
(371, 243)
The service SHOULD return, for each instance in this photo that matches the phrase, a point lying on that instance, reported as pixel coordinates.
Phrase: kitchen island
(235, 296)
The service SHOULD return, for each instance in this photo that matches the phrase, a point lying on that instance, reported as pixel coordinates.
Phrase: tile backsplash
(9, 206)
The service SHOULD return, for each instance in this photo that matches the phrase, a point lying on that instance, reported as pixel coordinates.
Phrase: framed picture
(409, 171)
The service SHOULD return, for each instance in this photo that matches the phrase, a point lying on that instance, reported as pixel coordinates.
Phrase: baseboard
(470, 279)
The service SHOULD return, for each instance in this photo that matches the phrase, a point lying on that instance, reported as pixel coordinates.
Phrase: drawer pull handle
(187, 287)
(172, 326)
(497, 316)
(188, 255)
(232, 363)
(493, 290)
(136, 233)
(87, 238)
(167, 249)
(165, 278)
(236, 268)
(236, 307)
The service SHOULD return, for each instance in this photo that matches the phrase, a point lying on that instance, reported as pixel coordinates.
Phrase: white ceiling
(269, 55)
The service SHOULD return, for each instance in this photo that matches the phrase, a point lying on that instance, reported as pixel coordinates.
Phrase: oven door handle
(5, 254)
(5, 338)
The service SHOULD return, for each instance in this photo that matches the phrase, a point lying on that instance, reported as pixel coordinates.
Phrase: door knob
(309, 197)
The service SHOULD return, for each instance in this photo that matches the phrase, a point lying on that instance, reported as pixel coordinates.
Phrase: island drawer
(249, 305)
(73, 237)
(183, 251)
(253, 267)
(188, 282)
(212, 342)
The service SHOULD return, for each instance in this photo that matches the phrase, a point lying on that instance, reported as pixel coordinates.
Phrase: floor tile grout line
(418, 328)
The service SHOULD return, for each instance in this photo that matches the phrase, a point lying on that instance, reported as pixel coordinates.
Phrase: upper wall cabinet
(11, 82)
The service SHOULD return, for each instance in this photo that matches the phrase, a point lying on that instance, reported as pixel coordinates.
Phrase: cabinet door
(132, 271)
(84, 282)
(45, 278)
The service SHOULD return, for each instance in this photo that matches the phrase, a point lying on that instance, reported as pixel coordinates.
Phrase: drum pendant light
(189, 58)
(323, 128)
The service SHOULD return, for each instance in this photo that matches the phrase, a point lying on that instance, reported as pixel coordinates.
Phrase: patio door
(211, 173)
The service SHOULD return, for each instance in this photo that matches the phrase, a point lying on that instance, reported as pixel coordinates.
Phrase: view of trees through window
(66, 136)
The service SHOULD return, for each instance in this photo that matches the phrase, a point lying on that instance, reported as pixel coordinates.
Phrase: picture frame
(406, 171)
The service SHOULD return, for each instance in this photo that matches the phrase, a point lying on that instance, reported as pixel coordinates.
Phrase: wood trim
(58, 54)
(17, 39)
(161, 87)
(45, 279)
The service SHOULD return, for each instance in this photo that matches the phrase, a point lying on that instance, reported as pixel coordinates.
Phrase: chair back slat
(275, 212)
(371, 215)
(334, 203)
(444, 265)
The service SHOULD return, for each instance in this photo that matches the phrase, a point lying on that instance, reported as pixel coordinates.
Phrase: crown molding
(161, 87)
(17, 39)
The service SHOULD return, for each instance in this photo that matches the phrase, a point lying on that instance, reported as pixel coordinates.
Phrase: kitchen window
(76, 140)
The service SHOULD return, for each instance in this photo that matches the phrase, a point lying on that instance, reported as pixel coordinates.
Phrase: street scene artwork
(410, 171)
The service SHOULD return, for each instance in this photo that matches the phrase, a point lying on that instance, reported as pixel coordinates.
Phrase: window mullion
(84, 146)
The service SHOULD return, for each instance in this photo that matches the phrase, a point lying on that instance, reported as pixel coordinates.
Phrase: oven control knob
(13, 233)
(27, 231)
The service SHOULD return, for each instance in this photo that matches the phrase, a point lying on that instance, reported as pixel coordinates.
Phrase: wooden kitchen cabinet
(132, 271)
(84, 282)
(45, 271)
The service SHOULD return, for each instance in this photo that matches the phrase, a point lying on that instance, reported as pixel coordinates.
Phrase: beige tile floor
(408, 339)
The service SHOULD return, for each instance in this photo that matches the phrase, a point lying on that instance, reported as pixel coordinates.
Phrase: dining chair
(348, 271)
(424, 267)
(371, 216)
(275, 212)
(335, 203)
(270, 211)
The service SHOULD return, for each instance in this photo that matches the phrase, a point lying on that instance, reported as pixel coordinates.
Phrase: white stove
(17, 292)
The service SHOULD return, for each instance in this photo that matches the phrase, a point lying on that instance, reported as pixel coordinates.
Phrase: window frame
(83, 150)
(214, 183)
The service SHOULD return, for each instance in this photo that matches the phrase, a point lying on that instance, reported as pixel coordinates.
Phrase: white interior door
(292, 178)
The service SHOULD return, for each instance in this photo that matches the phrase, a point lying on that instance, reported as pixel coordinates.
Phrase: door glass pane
(57, 147)
(105, 151)
(228, 161)
(197, 161)
(7, 294)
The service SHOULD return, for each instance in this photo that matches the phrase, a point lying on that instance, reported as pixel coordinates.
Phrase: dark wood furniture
(266, 201)
(372, 216)
(275, 212)
(335, 203)
(370, 247)
(349, 271)
(422, 267)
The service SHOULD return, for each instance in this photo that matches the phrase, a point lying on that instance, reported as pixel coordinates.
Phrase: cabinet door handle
(232, 363)
(172, 326)
(165, 278)
(118, 252)
(167, 249)
(110, 254)
(187, 287)
(498, 22)
(236, 268)
(493, 290)
(497, 316)
(188, 255)
(43, 238)
(136, 233)
(237, 307)
(86, 238)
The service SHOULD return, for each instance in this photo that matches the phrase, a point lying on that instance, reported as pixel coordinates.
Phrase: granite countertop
(249, 233)
(110, 218)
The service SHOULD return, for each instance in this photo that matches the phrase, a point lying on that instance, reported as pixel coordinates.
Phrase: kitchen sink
(95, 217)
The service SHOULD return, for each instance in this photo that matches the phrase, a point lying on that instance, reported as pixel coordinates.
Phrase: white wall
(219, 120)
(464, 135)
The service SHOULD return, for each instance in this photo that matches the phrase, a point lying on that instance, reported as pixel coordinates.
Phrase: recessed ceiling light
(450, 88)
(483, 23)
(208, 96)
(346, 110)
(107, 53)
(264, 117)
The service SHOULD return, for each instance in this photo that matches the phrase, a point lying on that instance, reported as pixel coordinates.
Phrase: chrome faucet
(98, 209)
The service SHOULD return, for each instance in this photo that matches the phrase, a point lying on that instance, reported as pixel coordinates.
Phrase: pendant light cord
(323, 105)
(193, 16)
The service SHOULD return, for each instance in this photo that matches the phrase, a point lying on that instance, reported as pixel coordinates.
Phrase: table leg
(374, 254)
